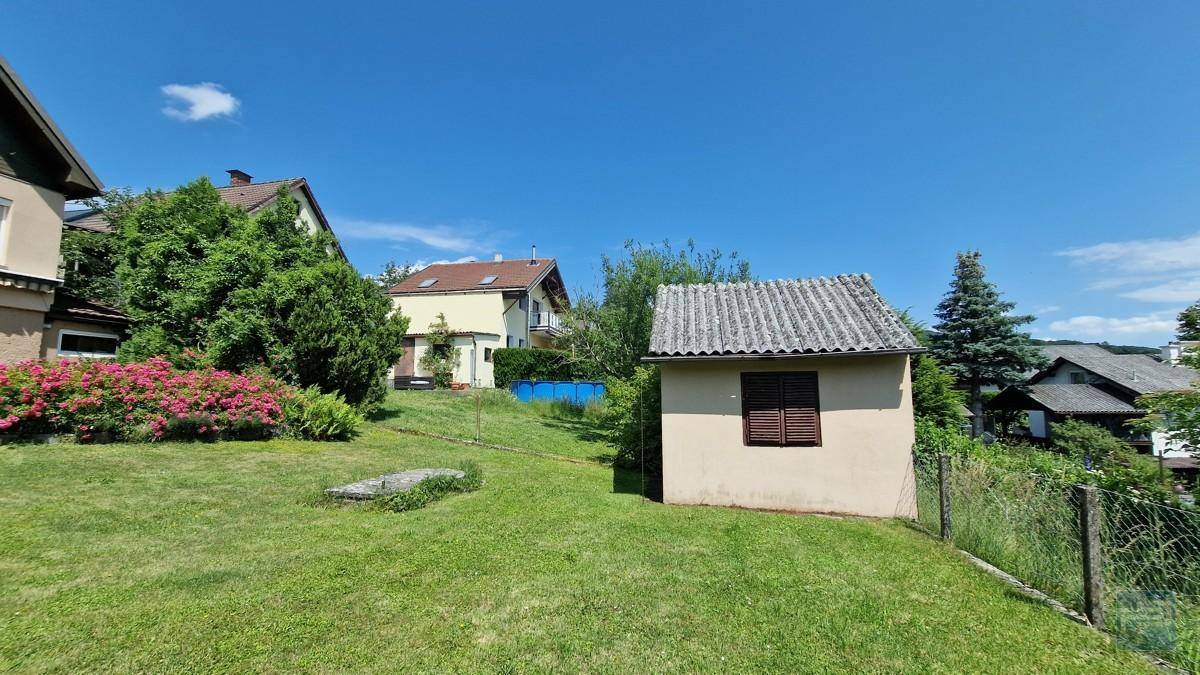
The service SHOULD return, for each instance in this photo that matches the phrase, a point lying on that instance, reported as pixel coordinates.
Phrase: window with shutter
(780, 409)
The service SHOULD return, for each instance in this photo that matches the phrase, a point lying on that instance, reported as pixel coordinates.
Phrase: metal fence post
(944, 495)
(478, 413)
(1093, 563)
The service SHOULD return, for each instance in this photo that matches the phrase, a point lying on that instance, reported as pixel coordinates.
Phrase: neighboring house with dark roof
(490, 305)
(39, 171)
(791, 395)
(1090, 383)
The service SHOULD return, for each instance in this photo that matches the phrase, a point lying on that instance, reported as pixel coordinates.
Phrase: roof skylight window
(488, 280)
(427, 283)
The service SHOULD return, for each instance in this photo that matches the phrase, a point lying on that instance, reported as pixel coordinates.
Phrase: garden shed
(791, 395)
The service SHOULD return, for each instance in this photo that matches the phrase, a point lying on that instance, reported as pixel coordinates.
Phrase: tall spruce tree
(976, 339)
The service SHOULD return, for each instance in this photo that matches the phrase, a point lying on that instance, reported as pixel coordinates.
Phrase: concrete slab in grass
(388, 484)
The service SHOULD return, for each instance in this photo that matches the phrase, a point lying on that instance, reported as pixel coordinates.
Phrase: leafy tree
(933, 389)
(393, 274)
(1189, 323)
(613, 333)
(90, 261)
(199, 273)
(933, 393)
(977, 338)
(441, 357)
(1174, 413)
(1089, 443)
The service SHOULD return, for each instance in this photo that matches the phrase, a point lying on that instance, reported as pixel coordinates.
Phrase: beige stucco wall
(864, 465)
(20, 334)
(50, 336)
(30, 239)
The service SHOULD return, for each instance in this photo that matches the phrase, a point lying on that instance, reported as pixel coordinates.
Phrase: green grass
(224, 557)
(542, 427)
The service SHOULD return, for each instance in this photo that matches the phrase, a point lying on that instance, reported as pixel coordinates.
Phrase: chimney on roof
(238, 177)
(498, 258)
(533, 255)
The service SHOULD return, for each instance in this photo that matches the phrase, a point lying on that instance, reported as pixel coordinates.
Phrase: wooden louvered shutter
(762, 419)
(801, 409)
(780, 409)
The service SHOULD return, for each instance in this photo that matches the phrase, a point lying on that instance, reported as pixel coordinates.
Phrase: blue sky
(1061, 139)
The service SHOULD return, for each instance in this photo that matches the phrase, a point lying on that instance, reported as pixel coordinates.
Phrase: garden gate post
(944, 495)
(1093, 562)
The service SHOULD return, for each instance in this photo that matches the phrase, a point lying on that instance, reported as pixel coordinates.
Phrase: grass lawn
(539, 427)
(208, 557)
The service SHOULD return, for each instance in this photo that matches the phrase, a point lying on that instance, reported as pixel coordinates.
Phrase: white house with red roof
(489, 305)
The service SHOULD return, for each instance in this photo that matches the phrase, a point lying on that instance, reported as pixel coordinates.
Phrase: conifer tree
(976, 338)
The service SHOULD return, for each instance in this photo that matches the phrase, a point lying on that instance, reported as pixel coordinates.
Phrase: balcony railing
(548, 321)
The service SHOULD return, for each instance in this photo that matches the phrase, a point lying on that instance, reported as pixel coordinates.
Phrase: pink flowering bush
(148, 401)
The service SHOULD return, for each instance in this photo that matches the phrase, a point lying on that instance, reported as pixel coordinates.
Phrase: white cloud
(422, 264)
(1177, 290)
(195, 102)
(1099, 327)
(443, 237)
(1161, 270)
(1041, 310)
(1142, 256)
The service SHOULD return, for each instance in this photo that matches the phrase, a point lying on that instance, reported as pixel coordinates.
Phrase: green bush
(315, 416)
(1123, 473)
(633, 418)
(535, 364)
(432, 489)
(1080, 441)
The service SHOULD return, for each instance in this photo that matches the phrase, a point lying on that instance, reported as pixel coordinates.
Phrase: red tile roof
(249, 197)
(510, 275)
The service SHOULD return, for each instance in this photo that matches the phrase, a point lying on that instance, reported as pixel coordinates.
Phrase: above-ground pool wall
(863, 465)
(578, 393)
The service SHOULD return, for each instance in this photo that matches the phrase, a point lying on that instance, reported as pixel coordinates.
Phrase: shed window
(780, 409)
(427, 283)
(77, 344)
(1076, 377)
(487, 354)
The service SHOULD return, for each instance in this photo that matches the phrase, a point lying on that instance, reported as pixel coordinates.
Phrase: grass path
(222, 557)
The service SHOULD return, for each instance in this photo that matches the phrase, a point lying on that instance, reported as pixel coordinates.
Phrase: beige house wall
(30, 237)
(864, 465)
(490, 317)
(20, 334)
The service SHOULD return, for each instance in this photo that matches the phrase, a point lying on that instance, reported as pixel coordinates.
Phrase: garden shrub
(534, 364)
(633, 418)
(1125, 474)
(316, 416)
(1087, 442)
(138, 401)
(434, 488)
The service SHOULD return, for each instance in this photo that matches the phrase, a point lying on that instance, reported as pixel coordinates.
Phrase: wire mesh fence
(1151, 571)
(1029, 526)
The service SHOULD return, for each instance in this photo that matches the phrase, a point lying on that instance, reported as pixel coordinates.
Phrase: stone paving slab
(388, 484)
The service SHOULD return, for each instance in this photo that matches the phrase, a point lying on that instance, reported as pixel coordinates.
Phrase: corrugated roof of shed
(825, 315)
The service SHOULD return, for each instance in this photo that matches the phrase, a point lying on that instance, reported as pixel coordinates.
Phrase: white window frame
(85, 355)
(5, 221)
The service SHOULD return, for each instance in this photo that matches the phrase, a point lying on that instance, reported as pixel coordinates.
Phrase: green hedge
(525, 363)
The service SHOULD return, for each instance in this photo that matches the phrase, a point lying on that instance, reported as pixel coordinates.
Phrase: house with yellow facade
(488, 305)
(39, 171)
